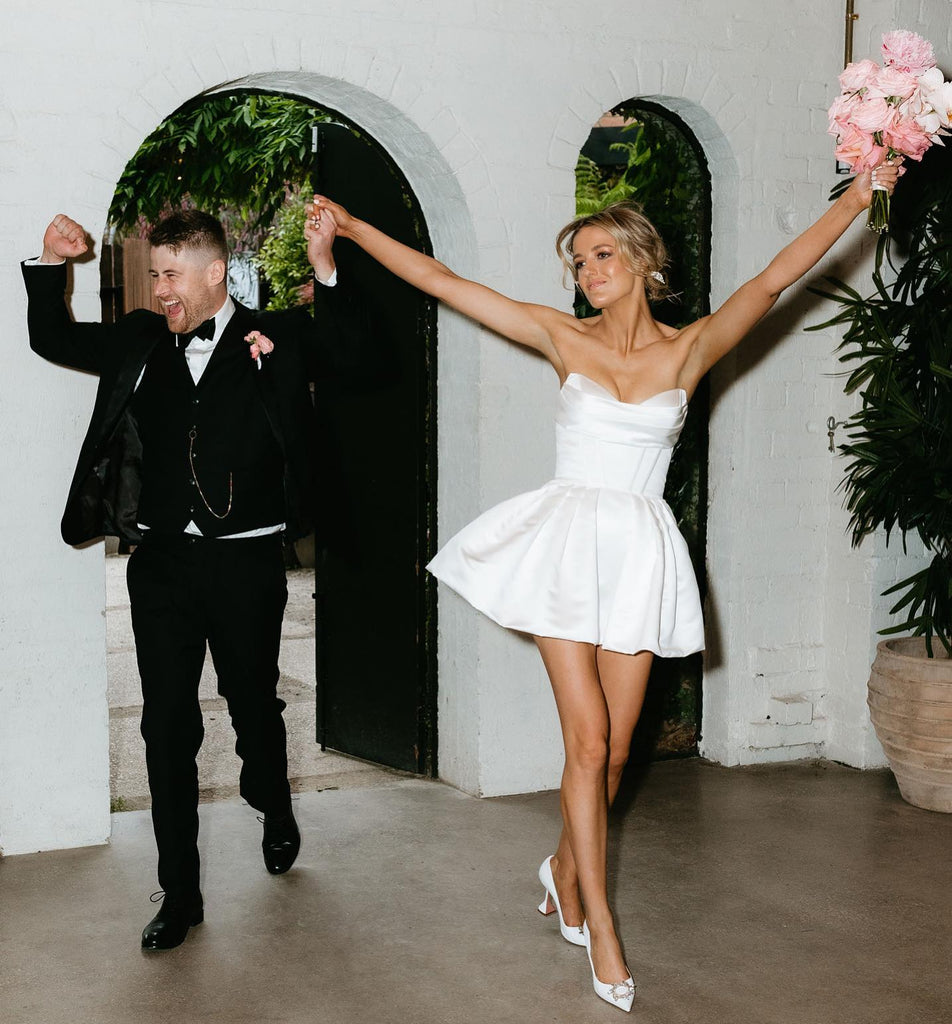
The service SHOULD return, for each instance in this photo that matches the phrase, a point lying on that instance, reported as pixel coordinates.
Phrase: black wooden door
(375, 604)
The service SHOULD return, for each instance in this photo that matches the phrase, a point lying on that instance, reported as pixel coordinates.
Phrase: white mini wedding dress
(595, 554)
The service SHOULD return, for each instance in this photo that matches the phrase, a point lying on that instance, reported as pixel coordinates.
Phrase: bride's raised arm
(524, 322)
(722, 330)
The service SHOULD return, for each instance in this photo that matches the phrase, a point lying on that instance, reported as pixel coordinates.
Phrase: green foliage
(898, 348)
(282, 257)
(595, 188)
(235, 152)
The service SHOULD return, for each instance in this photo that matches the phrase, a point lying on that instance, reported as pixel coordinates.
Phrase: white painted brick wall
(485, 106)
(797, 709)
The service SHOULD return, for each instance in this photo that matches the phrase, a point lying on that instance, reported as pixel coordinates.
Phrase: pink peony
(907, 51)
(858, 75)
(842, 111)
(859, 149)
(907, 137)
(872, 115)
(891, 82)
(260, 345)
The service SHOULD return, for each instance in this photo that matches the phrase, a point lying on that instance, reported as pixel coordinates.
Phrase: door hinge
(313, 138)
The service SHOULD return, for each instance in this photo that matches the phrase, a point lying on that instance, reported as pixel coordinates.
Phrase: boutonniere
(260, 345)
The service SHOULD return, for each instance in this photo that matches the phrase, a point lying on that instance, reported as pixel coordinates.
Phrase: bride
(592, 564)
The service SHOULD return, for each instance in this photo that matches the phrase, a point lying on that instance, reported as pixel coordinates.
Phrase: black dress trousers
(231, 594)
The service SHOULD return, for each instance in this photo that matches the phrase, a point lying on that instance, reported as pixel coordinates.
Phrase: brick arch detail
(707, 107)
(445, 169)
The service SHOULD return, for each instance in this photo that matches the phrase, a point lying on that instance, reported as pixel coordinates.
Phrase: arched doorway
(643, 151)
(376, 613)
(388, 717)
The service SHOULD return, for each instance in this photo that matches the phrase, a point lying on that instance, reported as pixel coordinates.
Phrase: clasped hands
(320, 232)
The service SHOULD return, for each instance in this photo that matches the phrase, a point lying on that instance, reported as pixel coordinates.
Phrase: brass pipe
(850, 18)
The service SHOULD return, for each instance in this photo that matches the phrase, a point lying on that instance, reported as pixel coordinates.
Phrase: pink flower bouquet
(898, 109)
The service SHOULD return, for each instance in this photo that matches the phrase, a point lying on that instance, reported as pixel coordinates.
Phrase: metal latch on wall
(831, 424)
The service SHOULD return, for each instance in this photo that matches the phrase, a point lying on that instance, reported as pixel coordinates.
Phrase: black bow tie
(204, 330)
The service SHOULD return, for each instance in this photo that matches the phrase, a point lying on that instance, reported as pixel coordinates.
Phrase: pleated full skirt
(581, 563)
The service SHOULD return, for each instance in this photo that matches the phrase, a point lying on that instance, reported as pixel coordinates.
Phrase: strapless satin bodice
(624, 446)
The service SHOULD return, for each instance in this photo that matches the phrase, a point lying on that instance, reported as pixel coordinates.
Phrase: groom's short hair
(190, 229)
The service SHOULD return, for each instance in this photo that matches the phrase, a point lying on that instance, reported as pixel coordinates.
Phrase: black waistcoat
(208, 451)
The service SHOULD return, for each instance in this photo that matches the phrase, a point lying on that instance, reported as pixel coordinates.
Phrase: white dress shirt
(198, 352)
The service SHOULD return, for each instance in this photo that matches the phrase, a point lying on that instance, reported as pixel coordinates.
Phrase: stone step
(218, 765)
(308, 767)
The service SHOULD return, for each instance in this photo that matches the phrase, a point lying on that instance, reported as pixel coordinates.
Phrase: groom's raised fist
(64, 239)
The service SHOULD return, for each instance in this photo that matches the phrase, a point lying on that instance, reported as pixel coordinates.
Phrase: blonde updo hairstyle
(639, 244)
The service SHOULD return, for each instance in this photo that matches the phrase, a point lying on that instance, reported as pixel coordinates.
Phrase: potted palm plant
(897, 348)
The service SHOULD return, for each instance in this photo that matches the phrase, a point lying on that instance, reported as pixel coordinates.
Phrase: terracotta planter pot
(910, 704)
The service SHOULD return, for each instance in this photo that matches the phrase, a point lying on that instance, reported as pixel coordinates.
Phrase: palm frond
(897, 347)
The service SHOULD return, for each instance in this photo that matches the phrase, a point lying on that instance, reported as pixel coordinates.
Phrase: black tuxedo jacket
(104, 493)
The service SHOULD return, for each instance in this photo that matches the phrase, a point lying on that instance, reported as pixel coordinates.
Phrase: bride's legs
(621, 681)
(589, 708)
(624, 681)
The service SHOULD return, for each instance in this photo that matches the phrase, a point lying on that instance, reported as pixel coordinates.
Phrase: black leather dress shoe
(171, 924)
(281, 842)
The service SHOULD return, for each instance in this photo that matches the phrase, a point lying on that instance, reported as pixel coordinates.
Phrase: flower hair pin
(260, 345)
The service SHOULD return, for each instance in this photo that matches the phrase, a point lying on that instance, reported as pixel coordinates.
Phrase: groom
(201, 452)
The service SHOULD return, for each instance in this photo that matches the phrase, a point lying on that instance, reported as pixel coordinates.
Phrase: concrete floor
(792, 894)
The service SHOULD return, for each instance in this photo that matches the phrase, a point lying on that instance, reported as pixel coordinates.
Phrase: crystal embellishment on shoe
(616, 993)
(622, 991)
(570, 932)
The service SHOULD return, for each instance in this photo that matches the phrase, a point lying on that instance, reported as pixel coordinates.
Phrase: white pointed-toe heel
(550, 903)
(618, 993)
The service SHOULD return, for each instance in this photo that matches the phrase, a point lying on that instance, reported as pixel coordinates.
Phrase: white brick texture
(484, 106)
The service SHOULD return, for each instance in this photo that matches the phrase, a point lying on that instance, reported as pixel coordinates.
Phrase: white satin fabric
(595, 555)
